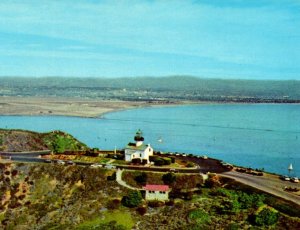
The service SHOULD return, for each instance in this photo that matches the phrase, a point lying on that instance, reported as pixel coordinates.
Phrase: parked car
(71, 163)
(173, 170)
(60, 162)
(286, 178)
(295, 179)
(108, 166)
(96, 165)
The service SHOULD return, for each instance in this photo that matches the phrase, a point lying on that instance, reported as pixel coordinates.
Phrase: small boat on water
(290, 168)
(160, 140)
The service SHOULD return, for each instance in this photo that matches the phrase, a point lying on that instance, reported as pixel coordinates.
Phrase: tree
(141, 179)
(133, 199)
(169, 178)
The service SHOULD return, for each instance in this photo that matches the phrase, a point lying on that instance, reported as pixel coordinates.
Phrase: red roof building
(157, 192)
(156, 187)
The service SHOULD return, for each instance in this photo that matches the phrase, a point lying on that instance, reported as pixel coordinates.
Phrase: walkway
(123, 183)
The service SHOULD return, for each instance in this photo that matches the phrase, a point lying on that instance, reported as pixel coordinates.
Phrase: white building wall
(131, 154)
(157, 195)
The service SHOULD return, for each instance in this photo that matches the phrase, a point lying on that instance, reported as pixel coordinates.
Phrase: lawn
(122, 217)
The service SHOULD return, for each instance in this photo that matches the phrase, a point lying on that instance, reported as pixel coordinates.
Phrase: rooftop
(156, 187)
(134, 147)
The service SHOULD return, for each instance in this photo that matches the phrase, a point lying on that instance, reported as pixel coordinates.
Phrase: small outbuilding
(157, 192)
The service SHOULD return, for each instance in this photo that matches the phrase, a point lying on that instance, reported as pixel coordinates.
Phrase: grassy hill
(134, 88)
(21, 140)
(51, 196)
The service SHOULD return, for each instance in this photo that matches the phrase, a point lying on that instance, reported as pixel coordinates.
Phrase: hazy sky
(222, 38)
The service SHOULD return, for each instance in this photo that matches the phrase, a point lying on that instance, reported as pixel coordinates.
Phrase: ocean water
(252, 135)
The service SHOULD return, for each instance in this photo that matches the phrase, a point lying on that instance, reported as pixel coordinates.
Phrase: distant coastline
(94, 108)
(74, 107)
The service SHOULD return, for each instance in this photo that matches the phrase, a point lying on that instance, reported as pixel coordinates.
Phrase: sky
(245, 39)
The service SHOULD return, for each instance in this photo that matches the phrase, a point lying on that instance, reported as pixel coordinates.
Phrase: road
(26, 153)
(268, 183)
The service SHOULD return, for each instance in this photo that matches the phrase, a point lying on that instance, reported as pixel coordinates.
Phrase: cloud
(249, 33)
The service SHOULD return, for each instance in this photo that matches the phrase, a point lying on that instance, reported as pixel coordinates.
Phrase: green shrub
(159, 162)
(250, 200)
(189, 165)
(153, 158)
(133, 199)
(173, 159)
(141, 179)
(167, 161)
(136, 161)
(222, 192)
(266, 217)
(230, 206)
(200, 216)
(169, 178)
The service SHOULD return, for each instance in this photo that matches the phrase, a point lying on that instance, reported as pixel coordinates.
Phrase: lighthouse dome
(139, 136)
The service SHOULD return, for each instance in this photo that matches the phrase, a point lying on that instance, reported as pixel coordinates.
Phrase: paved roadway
(26, 153)
(268, 183)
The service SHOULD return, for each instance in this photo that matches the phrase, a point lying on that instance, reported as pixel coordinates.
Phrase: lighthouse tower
(138, 138)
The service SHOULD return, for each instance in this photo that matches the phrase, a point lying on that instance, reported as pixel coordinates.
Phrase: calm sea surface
(256, 135)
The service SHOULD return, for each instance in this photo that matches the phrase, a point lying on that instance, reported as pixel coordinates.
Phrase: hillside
(21, 140)
(50, 196)
(154, 88)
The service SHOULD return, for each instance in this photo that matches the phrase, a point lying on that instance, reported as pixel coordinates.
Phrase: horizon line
(145, 76)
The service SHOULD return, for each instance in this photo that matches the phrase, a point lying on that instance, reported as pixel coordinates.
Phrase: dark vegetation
(159, 161)
(21, 140)
(133, 199)
(220, 203)
(169, 178)
(154, 89)
(74, 197)
(45, 195)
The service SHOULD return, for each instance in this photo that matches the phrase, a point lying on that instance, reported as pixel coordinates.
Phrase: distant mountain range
(173, 87)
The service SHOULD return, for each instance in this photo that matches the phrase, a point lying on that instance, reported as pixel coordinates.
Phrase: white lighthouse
(138, 149)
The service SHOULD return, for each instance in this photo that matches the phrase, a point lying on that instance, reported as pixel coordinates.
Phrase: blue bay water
(255, 135)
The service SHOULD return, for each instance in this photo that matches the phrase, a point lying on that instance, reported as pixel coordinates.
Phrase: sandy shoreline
(80, 107)
(91, 108)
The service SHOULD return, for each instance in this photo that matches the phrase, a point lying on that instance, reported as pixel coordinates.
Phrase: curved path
(123, 183)
(268, 183)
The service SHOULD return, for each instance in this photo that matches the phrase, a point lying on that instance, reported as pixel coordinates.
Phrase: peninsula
(92, 97)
